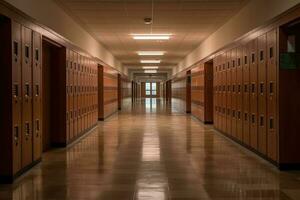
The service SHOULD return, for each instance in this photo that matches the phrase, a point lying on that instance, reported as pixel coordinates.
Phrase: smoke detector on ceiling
(148, 20)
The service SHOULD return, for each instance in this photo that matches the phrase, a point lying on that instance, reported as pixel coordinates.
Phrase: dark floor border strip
(252, 150)
(104, 118)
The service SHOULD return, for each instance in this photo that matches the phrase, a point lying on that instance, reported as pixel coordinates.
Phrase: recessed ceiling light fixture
(150, 71)
(151, 36)
(150, 53)
(150, 67)
(150, 61)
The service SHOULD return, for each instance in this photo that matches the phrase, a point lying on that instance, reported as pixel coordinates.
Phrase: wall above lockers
(255, 14)
(53, 17)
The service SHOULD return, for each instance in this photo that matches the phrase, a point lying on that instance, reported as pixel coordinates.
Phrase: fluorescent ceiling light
(150, 67)
(150, 61)
(150, 71)
(151, 36)
(150, 53)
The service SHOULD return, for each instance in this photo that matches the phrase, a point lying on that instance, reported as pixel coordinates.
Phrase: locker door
(75, 106)
(71, 95)
(234, 94)
(239, 93)
(17, 98)
(27, 96)
(215, 92)
(79, 69)
(229, 92)
(68, 94)
(262, 100)
(224, 90)
(246, 97)
(37, 96)
(272, 135)
(253, 94)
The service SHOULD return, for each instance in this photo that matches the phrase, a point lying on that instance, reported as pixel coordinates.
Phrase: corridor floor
(150, 151)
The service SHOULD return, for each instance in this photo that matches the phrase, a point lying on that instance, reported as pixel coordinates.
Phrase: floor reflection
(152, 151)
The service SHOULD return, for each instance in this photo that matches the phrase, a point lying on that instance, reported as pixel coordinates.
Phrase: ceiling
(189, 22)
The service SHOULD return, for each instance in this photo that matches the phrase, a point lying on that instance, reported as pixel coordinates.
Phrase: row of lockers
(181, 92)
(108, 93)
(201, 92)
(245, 94)
(21, 124)
(82, 94)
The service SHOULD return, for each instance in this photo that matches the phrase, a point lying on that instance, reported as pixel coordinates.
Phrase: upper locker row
(245, 100)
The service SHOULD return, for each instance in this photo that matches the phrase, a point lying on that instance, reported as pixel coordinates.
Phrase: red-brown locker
(234, 93)
(262, 97)
(215, 92)
(17, 98)
(224, 93)
(87, 93)
(253, 94)
(239, 93)
(27, 97)
(272, 142)
(75, 106)
(71, 95)
(79, 105)
(216, 86)
(68, 94)
(246, 96)
(229, 92)
(37, 96)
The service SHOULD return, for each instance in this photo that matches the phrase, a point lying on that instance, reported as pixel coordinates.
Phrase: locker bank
(150, 99)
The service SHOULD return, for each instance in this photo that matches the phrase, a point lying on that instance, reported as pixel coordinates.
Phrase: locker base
(103, 118)
(253, 150)
(80, 136)
(11, 179)
(204, 122)
(71, 141)
(289, 166)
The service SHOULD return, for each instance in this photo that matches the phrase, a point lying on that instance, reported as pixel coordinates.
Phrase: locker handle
(271, 123)
(26, 90)
(37, 54)
(271, 52)
(37, 123)
(271, 88)
(245, 88)
(246, 116)
(253, 118)
(239, 62)
(261, 121)
(245, 60)
(253, 87)
(16, 91)
(26, 53)
(16, 49)
(27, 129)
(253, 58)
(261, 86)
(37, 90)
(261, 57)
(16, 134)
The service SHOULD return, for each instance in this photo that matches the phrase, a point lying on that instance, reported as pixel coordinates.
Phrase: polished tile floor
(150, 151)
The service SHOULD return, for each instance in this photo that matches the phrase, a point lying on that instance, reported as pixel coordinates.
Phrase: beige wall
(50, 14)
(256, 13)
